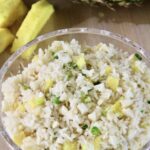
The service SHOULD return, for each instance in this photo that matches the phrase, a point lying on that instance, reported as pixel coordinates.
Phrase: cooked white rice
(95, 98)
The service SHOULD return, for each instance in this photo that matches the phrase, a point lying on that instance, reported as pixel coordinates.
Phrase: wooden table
(133, 23)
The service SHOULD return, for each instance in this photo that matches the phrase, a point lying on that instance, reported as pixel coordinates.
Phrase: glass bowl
(88, 36)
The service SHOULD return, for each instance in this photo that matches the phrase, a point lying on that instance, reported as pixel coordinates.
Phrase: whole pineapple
(114, 2)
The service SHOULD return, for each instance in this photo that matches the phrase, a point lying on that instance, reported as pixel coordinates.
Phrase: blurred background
(133, 22)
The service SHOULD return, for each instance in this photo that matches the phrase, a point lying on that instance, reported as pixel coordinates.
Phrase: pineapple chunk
(135, 68)
(10, 11)
(70, 146)
(6, 38)
(40, 13)
(97, 143)
(37, 102)
(48, 84)
(108, 70)
(80, 61)
(18, 137)
(112, 83)
(117, 108)
(35, 58)
(7, 106)
(84, 147)
(21, 108)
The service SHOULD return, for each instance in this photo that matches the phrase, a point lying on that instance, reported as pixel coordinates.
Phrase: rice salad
(73, 97)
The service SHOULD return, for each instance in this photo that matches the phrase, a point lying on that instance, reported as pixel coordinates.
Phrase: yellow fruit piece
(117, 108)
(48, 84)
(70, 146)
(135, 68)
(97, 145)
(37, 102)
(35, 58)
(18, 137)
(105, 110)
(6, 38)
(112, 83)
(108, 70)
(84, 147)
(21, 108)
(7, 106)
(80, 61)
(32, 25)
(10, 11)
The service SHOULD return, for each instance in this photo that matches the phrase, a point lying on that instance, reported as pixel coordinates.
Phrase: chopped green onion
(25, 87)
(85, 126)
(95, 131)
(55, 57)
(56, 100)
(142, 111)
(148, 101)
(138, 56)
(72, 65)
(85, 98)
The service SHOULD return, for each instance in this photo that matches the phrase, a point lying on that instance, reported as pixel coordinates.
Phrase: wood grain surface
(133, 23)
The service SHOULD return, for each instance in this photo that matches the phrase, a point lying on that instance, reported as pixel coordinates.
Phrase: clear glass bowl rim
(57, 33)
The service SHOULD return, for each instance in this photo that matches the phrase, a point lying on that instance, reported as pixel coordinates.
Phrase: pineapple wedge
(80, 61)
(10, 11)
(32, 25)
(108, 70)
(70, 146)
(112, 83)
(6, 38)
(97, 145)
(117, 107)
(18, 137)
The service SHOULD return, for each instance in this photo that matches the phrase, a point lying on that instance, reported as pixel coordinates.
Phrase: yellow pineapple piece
(135, 68)
(6, 38)
(48, 84)
(18, 137)
(10, 11)
(70, 146)
(97, 145)
(32, 25)
(80, 61)
(21, 108)
(35, 58)
(117, 107)
(112, 82)
(36, 102)
(108, 70)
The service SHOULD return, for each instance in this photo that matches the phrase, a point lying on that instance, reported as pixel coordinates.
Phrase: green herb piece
(85, 98)
(95, 131)
(142, 111)
(69, 75)
(25, 87)
(148, 101)
(72, 65)
(84, 126)
(138, 56)
(55, 56)
(69, 66)
(56, 100)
